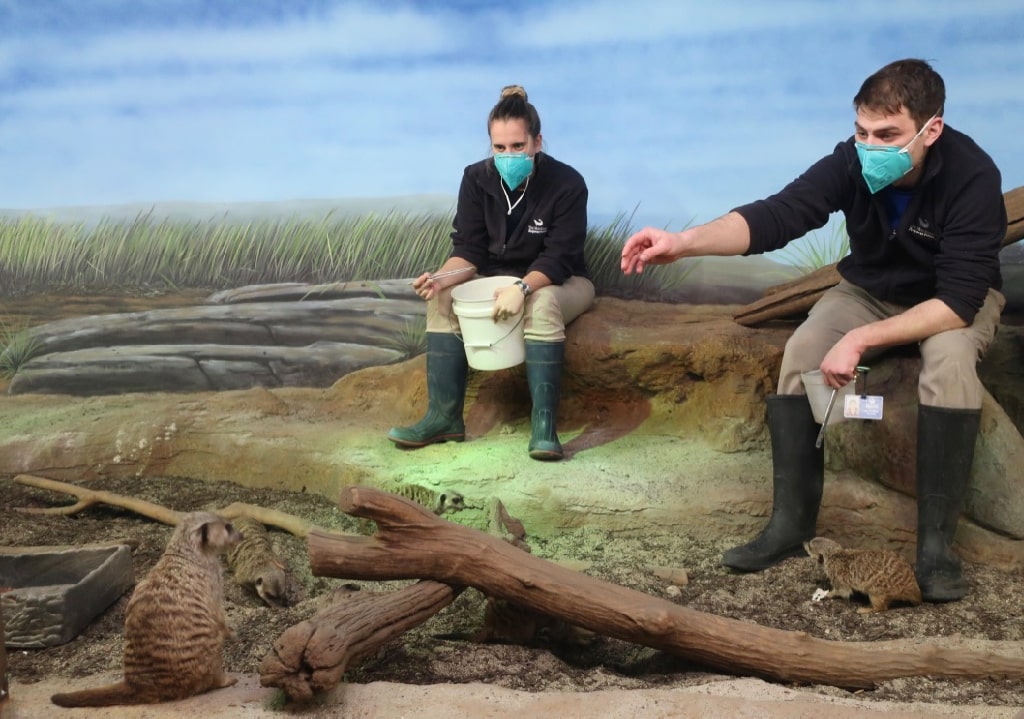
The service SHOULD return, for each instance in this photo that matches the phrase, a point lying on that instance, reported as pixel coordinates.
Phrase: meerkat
(437, 501)
(255, 566)
(883, 575)
(175, 625)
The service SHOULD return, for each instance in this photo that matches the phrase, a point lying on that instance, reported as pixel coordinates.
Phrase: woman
(520, 213)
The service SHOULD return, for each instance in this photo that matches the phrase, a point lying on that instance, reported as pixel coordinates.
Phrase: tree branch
(412, 543)
(90, 497)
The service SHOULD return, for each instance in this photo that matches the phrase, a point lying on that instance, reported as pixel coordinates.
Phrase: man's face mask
(514, 167)
(882, 165)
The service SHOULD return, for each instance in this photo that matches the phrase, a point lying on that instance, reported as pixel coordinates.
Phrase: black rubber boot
(798, 478)
(945, 453)
(446, 395)
(544, 375)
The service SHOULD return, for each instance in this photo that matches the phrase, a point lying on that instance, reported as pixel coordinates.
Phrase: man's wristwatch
(525, 288)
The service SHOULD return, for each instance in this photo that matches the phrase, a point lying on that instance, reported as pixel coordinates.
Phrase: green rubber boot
(544, 375)
(446, 395)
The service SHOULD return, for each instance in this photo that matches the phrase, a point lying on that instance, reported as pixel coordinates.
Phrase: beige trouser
(949, 374)
(548, 310)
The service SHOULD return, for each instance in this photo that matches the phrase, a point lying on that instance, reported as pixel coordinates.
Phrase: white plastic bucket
(819, 393)
(489, 345)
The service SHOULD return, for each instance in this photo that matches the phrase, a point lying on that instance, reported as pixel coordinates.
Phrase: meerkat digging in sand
(255, 565)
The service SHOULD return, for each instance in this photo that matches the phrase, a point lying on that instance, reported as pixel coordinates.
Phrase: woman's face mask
(514, 167)
(882, 165)
(514, 149)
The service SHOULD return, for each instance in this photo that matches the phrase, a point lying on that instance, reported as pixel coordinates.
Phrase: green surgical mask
(882, 165)
(514, 167)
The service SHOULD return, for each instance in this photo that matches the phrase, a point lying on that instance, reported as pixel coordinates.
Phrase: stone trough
(50, 594)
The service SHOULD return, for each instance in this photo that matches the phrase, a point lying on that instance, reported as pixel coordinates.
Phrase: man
(925, 215)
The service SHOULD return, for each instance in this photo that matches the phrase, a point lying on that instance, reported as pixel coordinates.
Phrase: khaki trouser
(949, 375)
(548, 310)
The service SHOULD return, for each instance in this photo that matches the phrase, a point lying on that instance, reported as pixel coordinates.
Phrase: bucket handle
(484, 345)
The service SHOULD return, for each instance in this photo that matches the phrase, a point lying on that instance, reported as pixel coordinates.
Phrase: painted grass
(411, 340)
(817, 249)
(604, 259)
(17, 346)
(40, 255)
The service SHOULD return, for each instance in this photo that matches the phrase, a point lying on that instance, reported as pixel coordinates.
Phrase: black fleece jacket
(550, 236)
(946, 245)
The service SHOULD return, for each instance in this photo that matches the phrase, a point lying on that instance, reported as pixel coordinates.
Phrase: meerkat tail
(109, 695)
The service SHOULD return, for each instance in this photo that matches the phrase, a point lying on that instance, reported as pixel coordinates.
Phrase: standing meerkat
(883, 575)
(175, 627)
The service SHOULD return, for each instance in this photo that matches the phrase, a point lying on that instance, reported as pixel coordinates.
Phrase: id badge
(863, 406)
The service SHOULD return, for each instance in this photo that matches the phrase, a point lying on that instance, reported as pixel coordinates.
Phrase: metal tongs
(449, 272)
(860, 370)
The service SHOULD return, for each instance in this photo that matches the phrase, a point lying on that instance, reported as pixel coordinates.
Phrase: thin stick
(89, 497)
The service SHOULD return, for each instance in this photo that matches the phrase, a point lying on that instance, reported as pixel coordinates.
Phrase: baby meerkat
(175, 627)
(255, 565)
(883, 575)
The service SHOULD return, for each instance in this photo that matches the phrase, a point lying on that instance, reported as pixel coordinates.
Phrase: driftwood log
(314, 655)
(797, 297)
(789, 299)
(412, 543)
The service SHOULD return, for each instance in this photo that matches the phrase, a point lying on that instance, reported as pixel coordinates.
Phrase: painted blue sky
(678, 110)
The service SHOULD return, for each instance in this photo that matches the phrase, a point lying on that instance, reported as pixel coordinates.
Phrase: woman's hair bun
(513, 90)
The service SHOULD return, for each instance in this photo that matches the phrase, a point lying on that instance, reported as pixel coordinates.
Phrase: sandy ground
(734, 698)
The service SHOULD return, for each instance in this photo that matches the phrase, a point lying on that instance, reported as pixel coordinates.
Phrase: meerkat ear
(204, 534)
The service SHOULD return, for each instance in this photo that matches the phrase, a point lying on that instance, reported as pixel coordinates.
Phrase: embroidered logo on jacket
(537, 228)
(921, 229)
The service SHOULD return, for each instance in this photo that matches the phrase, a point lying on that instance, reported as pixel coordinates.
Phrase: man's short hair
(910, 84)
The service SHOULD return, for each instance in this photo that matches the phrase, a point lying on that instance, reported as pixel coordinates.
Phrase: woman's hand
(424, 286)
(508, 302)
(453, 272)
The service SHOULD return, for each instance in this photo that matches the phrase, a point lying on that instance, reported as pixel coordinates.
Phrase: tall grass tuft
(17, 346)
(411, 340)
(604, 259)
(817, 249)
